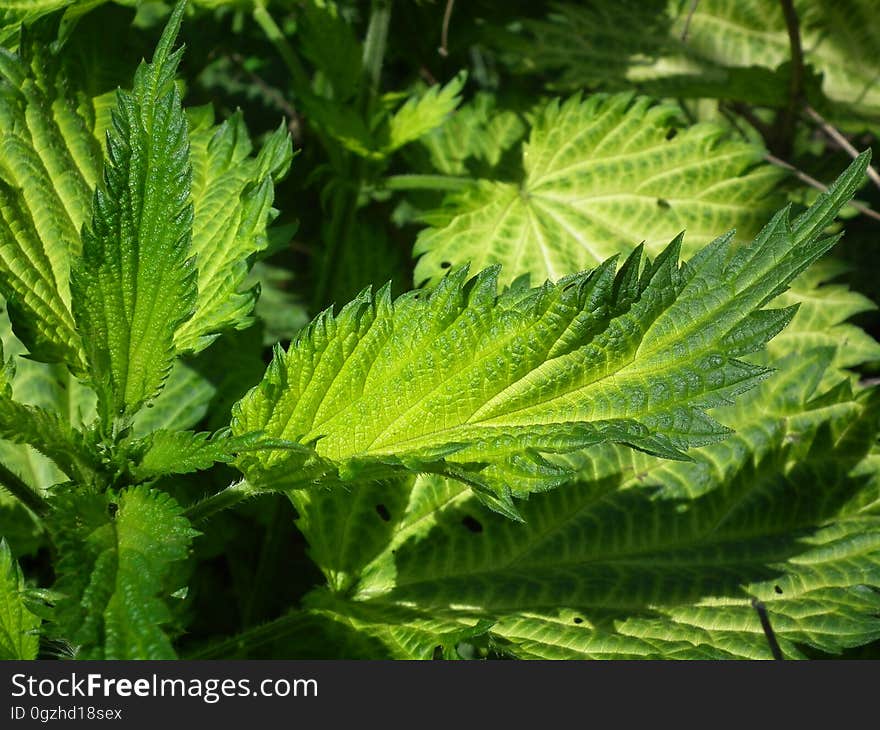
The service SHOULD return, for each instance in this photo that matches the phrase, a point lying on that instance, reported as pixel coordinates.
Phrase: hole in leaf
(472, 524)
(663, 203)
(383, 512)
(578, 620)
(777, 589)
(671, 134)
(112, 509)
(438, 652)
(445, 264)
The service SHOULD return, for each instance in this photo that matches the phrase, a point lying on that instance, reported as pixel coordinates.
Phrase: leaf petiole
(224, 499)
(19, 489)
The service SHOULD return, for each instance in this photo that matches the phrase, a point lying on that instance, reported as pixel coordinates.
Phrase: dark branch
(788, 116)
(761, 610)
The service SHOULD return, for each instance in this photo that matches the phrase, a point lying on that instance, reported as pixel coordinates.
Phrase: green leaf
(232, 193)
(420, 114)
(19, 628)
(280, 308)
(183, 452)
(116, 552)
(44, 430)
(346, 528)
(476, 134)
(821, 321)
(48, 164)
(600, 175)
(728, 50)
(183, 402)
(651, 559)
(478, 386)
(370, 255)
(52, 389)
(329, 43)
(135, 284)
(15, 13)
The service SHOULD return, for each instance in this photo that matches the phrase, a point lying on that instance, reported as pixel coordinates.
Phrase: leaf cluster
(533, 346)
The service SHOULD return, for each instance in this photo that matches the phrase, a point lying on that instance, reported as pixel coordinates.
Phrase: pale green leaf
(729, 50)
(602, 174)
(420, 114)
(183, 402)
(47, 431)
(15, 13)
(48, 163)
(135, 284)
(475, 134)
(821, 321)
(52, 388)
(19, 628)
(479, 386)
(232, 193)
(652, 559)
(116, 552)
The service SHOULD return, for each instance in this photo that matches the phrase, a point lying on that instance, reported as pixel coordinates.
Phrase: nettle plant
(615, 463)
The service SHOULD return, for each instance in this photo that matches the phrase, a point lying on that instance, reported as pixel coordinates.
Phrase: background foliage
(303, 153)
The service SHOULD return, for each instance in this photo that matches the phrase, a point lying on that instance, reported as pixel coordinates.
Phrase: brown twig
(814, 183)
(426, 74)
(444, 32)
(838, 137)
(687, 22)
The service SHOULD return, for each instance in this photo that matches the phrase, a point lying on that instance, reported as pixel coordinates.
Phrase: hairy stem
(17, 487)
(257, 636)
(220, 501)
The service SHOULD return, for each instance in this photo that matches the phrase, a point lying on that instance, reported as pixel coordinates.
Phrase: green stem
(788, 116)
(354, 168)
(344, 207)
(220, 501)
(280, 521)
(426, 182)
(255, 637)
(285, 50)
(375, 42)
(19, 489)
